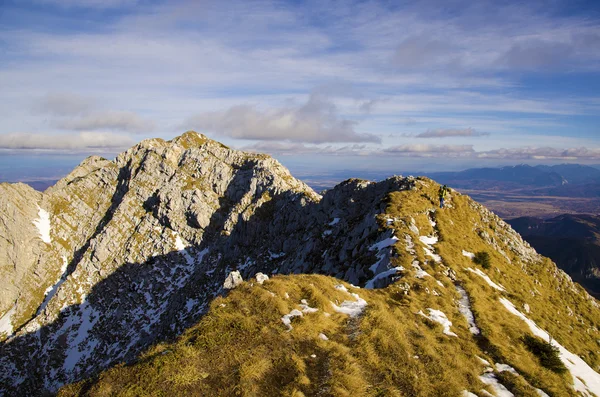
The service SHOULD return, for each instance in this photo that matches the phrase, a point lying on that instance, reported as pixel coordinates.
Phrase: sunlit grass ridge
(242, 347)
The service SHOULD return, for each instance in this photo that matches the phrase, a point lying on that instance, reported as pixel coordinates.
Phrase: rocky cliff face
(122, 254)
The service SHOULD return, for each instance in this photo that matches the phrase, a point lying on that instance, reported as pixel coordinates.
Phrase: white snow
(371, 283)
(389, 221)
(52, 290)
(439, 317)
(468, 254)
(507, 368)
(585, 379)
(307, 309)
(179, 245)
(43, 225)
(350, 308)
(81, 346)
(541, 393)
(384, 243)
(486, 278)
(413, 227)
(498, 388)
(335, 221)
(275, 255)
(420, 272)
(484, 361)
(341, 288)
(323, 336)
(466, 393)
(287, 319)
(464, 307)
(428, 240)
(6, 322)
(190, 303)
(429, 253)
(327, 233)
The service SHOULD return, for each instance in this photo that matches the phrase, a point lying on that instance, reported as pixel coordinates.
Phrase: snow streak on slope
(51, 291)
(464, 307)
(439, 317)
(43, 225)
(6, 323)
(585, 379)
(486, 278)
(351, 308)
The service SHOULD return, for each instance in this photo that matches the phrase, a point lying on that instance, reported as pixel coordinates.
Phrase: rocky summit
(142, 260)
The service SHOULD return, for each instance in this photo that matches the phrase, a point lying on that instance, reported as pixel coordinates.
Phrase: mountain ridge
(139, 247)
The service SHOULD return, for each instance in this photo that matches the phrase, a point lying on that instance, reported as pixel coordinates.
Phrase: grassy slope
(241, 347)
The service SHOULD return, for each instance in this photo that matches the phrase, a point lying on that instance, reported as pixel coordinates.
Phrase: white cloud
(542, 153)
(87, 3)
(63, 104)
(69, 142)
(419, 150)
(450, 132)
(316, 121)
(430, 151)
(107, 120)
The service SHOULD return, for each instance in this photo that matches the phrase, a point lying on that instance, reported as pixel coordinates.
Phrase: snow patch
(307, 309)
(43, 225)
(52, 290)
(81, 346)
(430, 254)
(179, 245)
(335, 221)
(323, 337)
(585, 379)
(275, 255)
(351, 308)
(384, 243)
(428, 240)
(498, 388)
(468, 254)
(6, 326)
(486, 278)
(371, 283)
(439, 317)
(464, 307)
(287, 319)
(506, 368)
(341, 287)
(420, 272)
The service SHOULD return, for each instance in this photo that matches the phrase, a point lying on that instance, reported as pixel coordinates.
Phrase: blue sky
(373, 84)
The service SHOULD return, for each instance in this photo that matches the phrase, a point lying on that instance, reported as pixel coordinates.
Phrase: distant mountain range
(572, 241)
(538, 180)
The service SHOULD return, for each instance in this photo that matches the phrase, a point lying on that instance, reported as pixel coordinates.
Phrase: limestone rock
(233, 280)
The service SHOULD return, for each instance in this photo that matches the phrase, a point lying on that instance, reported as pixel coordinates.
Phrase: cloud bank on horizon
(445, 81)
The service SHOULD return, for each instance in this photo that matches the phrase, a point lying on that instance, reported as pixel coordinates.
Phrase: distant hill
(572, 241)
(513, 177)
(573, 173)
